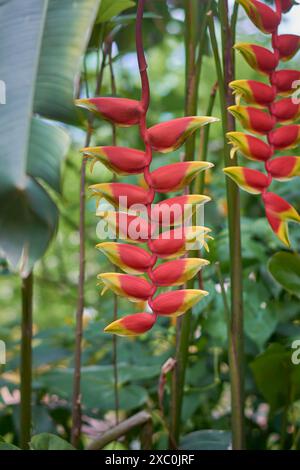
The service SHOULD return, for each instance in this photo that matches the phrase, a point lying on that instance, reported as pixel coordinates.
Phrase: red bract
(122, 160)
(120, 111)
(286, 81)
(177, 302)
(285, 137)
(287, 45)
(176, 176)
(286, 5)
(139, 220)
(258, 57)
(170, 135)
(266, 19)
(286, 110)
(253, 92)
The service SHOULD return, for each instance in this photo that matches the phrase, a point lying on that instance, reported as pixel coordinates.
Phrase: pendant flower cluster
(270, 112)
(135, 260)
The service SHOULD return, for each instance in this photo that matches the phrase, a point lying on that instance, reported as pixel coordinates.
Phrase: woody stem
(236, 330)
(194, 43)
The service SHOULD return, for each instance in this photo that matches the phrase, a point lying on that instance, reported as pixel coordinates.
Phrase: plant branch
(183, 324)
(76, 402)
(235, 334)
(140, 419)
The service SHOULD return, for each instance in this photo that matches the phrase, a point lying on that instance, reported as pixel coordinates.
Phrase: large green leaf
(41, 44)
(46, 441)
(67, 29)
(285, 268)
(206, 440)
(98, 385)
(277, 378)
(109, 9)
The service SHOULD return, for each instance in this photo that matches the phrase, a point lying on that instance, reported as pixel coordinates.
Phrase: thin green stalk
(204, 140)
(76, 399)
(194, 43)
(26, 361)
(115, 309)
(236, 355)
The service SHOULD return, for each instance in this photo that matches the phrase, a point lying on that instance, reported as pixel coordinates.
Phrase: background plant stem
(26, 361)
(194, 43)
(235, 334)
(76, 402)
(115, 312)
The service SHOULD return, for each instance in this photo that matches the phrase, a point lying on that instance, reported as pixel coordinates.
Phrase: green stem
(204, 139)
(115, 309)
(194, 43)
(76, 399)
(235, 336)
(26, 361)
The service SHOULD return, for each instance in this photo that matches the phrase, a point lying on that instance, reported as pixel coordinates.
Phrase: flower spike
(165, 229)
(280, 111)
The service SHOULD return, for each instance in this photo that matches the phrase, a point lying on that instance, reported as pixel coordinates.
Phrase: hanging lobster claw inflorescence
(271, 111)
(167, 245)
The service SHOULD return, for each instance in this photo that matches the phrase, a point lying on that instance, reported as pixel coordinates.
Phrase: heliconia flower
(287, 45)
(174, 243)
(253, 92)
(259, 58)
(261, 15)
(177, 175)
(121, 160)
(120, 111)
(131, 259)
(177, 209)
(252, 181)
(284, 168)
(168, 136)
(286, 81)
(286, 5)
(124, 285)
(279, 212)
(117, 192)
(285, 110)
(253, 119)
(285, 137)
(177, 272)
(132, 325)
(128, 226)
(175, 303)
(250, 146)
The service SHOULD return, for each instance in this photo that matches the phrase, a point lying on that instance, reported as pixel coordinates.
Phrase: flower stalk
(26, 361)
(225, 75)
